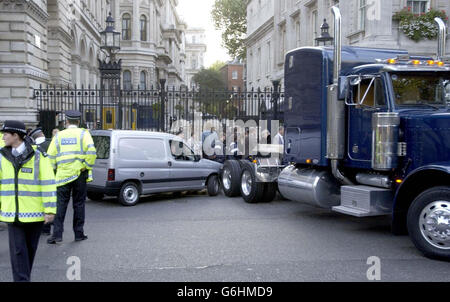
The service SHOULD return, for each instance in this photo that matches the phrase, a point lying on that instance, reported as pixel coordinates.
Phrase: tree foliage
(210, 79)
(230, 16)
(217, 65)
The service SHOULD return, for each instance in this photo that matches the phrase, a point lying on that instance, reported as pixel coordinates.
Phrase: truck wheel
(251, 190)
(270, 191)
(129, 194)
(429, 223)
(213, 185)
(95, 196)
(231, 175)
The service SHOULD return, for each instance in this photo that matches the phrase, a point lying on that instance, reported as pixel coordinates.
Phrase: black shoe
(53, 240)
(84, 237)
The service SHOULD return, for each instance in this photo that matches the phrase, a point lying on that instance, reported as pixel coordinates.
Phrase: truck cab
(368, 134)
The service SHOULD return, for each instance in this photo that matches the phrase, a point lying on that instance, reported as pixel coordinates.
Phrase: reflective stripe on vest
(27, 194)
(22, 215)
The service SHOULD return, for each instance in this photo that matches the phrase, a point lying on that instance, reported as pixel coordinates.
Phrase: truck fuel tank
(314, 187)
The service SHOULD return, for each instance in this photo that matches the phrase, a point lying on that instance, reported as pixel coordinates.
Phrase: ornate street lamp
(110, 38)
(110, 70)
(325, 38)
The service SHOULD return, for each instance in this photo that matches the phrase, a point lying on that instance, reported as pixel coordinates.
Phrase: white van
(134, 163)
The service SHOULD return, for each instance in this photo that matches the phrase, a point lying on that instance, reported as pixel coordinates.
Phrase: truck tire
(95, 196)
(231, 176)
(213, 185)
(270, 191)
(251, 190)
(129, 194)
(428, 223)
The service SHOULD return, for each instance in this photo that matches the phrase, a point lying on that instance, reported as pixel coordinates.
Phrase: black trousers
(23, 243)
(78, 190)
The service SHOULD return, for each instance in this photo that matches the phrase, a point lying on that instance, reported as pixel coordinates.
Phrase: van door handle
(169, 164)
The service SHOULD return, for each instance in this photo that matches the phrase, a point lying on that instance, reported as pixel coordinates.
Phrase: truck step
(364, 201)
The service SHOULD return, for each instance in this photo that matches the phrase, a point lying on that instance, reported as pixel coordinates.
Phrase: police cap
(73, 114)
(35, 132)
(14, 127)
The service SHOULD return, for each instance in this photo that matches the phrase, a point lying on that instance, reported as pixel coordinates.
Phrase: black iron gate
(155, 109)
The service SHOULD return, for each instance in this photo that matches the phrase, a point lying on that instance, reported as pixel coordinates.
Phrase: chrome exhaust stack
(441, 38)
(336, 108)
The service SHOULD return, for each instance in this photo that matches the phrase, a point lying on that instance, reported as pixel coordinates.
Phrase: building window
(143, 81)
(143, 28)
(234, 75)
(259, 62)
(418, 6)
(297, 32)
(362, 14)
(127, 80)
(126, 27)
(315, 25)
(283, 43)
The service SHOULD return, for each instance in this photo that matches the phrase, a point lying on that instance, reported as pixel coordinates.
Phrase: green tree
(211, 97)
(217, 65)
(210, 79)
(230, 16)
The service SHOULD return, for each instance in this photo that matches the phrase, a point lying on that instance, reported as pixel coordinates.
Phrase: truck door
(367, 97)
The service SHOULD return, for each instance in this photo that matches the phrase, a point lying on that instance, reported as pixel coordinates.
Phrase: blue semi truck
(367, 133)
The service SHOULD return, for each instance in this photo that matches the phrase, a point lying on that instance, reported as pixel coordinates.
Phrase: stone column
(135, 28)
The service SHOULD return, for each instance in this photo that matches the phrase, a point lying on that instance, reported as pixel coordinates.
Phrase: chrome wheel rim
(434, 224)
(226, 179)
(130, 194)
(246, 183)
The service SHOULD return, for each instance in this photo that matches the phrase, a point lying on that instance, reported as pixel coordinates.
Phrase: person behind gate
(73, 155)
(27, 196)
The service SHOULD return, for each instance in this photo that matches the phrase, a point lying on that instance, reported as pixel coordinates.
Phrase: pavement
(197, 238)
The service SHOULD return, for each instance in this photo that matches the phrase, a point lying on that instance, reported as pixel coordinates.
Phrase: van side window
(181, 151)
(142, 149)
(102, 144)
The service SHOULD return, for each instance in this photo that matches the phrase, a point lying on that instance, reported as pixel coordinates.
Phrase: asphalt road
(197, 238)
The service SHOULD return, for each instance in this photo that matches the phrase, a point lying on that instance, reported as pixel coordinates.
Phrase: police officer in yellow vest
(27, 196)
(73, 155)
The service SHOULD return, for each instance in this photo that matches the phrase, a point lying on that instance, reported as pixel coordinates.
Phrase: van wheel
(270, 191)
(95, 196)
(213, 185)
(429, 223)
(231, 175)
(251, 190)
(129, 194)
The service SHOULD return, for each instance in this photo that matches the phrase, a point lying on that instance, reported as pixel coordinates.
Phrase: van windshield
(102, 144)
(431, 89)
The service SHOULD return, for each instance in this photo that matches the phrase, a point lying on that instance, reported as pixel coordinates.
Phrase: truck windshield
(421, 89)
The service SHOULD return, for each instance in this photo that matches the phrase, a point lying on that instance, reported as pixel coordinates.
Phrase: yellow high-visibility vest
(2, 142)
(36, 190)
(70, 152)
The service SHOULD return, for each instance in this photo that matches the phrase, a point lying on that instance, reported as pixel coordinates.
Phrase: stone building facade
(57, 42)
(152, 42)
(275, 27)
(195, 53)
(46, 42)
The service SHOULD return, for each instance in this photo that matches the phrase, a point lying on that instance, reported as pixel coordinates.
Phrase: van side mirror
(197, 157)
